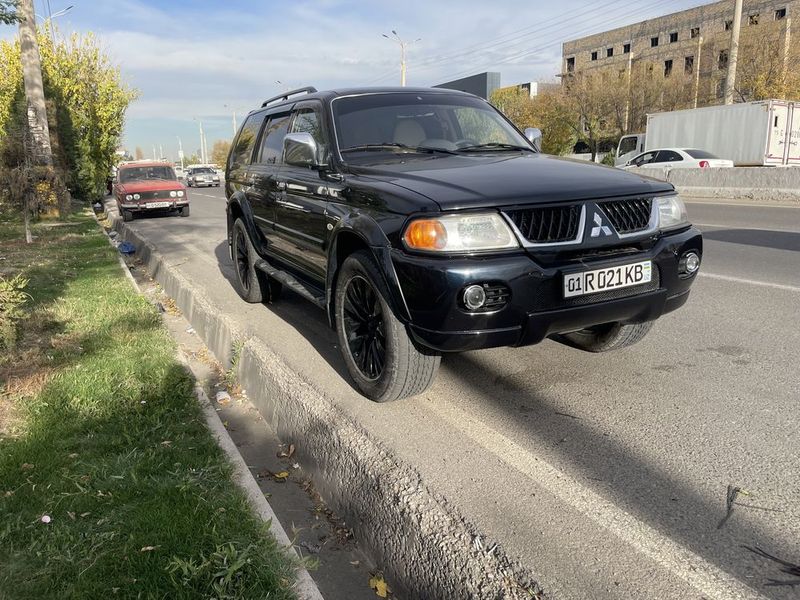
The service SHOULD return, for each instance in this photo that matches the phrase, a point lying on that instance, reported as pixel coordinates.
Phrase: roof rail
(285, 96)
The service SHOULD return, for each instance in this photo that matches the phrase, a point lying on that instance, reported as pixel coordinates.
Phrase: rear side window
(243, 148)
(668, 156)
(272, 140)
(700, 154)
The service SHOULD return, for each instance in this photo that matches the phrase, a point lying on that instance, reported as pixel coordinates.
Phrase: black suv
(424, 222)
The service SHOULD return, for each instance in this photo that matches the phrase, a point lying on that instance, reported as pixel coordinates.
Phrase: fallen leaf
(8, 494)
(71, 515)
(86, 514)
(355, 563)
(379, 585)
(74, 455)
(148, 548)
(282, 476)
(287, 453)
(166, 442)
(26, 466)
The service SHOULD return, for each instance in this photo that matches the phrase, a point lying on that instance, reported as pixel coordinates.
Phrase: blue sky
(205, 59)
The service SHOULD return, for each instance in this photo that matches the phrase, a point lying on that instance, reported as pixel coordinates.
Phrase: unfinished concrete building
(693, 42)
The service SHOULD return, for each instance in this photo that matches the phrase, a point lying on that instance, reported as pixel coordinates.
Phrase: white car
(676, 158)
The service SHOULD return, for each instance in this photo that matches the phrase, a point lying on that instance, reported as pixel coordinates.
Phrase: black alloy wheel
(248, 281)
(364, 327)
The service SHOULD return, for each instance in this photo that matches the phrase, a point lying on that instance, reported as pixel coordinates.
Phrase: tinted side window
(272, 139)
(668, 156)
(243, 148)
(643, 159)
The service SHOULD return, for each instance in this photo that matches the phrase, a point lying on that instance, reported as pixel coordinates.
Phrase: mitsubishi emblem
(599, 228)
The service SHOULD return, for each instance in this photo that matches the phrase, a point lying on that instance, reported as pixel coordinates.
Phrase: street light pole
(50, 17)
(403, 45)
(180, 151)
(733, 55)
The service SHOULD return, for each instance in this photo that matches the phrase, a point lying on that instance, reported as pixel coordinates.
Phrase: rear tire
(611, 336)
(382, 359)
(248, 280)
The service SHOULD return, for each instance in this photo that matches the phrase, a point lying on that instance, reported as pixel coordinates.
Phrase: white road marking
(709, 579)
(743, 227)
(776, 286)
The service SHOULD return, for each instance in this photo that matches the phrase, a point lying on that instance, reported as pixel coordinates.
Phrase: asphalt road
(608, 475)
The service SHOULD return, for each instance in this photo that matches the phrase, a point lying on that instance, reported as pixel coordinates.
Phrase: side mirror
(300, 149)
(534, 135)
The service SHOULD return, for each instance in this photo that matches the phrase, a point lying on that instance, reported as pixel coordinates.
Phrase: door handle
(292, 206)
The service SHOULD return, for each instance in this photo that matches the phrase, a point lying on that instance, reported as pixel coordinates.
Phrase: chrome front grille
(628, 216)
(548, 225)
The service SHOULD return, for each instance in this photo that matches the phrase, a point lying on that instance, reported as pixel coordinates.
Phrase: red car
(149, 187)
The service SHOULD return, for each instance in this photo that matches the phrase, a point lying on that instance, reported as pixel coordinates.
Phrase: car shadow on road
(614, 470)
(779, 240)
(308, 320)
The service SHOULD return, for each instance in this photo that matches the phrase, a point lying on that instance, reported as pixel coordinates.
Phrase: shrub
(12, 298)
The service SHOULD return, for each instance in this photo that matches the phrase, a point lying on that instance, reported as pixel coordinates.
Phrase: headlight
(671, 212)
(173, 194)
(459, 233)
(136, 196)
(180, 193)
(128, 197)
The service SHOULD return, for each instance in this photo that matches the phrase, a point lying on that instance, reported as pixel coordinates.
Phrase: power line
(601, 25)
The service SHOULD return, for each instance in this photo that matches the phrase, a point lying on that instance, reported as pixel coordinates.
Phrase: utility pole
(34, 90)
(697, 70)
(403, 45)
(234, 122)
(180, 152)
(733, 54)
(154, 152)
(203, 149)
(628, 95)
(160, 152)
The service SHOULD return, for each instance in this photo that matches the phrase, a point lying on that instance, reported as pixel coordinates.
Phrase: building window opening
(753, 19)
(688, 65)
(571, 64)
(722, 60)
(609, 52)
(594, 55)
(695, 32)
(780, 14)
(626, 49)
(673, 37)
(653, 42)
(728, 24)
(667, 68)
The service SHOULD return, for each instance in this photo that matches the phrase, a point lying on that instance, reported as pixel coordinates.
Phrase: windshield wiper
(394, 145)
(494, 146)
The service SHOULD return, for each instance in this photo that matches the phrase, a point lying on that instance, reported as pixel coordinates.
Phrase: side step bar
(293, 284)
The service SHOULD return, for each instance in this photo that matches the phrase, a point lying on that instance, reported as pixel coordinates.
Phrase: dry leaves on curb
(287, 453)
(377, 583)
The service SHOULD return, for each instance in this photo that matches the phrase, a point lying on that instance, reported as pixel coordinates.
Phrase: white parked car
(676, 158)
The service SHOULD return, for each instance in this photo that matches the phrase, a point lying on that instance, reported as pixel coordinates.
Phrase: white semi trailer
(761, 133)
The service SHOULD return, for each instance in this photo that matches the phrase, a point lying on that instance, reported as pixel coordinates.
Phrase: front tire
(611, 336)
(379, 354)
(127, 216)
(184, 211)
(247, 278)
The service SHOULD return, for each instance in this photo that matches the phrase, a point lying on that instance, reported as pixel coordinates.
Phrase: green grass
(108, 441)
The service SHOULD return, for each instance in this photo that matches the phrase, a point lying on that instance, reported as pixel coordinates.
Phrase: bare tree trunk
(26, 212)
(34, 90)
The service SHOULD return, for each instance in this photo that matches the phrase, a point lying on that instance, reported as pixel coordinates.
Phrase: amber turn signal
(426, 234)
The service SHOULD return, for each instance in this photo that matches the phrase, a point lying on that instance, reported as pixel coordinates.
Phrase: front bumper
(142, 206)
(432, 286)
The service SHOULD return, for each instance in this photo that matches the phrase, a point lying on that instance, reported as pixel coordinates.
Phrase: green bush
(608, 159)
(12, 298)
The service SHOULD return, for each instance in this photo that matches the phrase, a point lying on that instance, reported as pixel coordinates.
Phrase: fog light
(474, 297)
(689, 264)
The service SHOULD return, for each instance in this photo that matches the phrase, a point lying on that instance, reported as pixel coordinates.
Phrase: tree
(8, 12)
(219, 152)
(139, 154)
(88, 98)
(769, 63)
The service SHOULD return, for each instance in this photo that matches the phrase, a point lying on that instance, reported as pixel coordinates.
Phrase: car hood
(478, 181)
(150, 185)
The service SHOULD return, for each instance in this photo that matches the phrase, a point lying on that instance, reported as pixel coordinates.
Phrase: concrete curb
(305, 586)
(426, 548)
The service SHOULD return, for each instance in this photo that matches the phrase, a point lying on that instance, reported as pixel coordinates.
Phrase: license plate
(613, 278)
(158, 204)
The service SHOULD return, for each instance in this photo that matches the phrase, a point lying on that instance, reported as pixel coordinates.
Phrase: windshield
(137, 173)
(203, 170)
(407, 121)
(700, 154)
